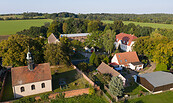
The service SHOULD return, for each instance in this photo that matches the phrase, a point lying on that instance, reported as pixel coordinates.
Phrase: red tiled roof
(125, 37)
(127, 57)
(22, 75)
(113, 64)
(106, 69)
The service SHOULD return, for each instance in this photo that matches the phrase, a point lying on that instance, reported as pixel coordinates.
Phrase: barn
(156, 82)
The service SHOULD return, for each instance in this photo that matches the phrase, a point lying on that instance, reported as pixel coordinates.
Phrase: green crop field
(153, 25)
(12, 26)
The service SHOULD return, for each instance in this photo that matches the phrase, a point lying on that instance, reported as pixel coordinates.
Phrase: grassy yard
(9, 27)
(153, 25)
(166, 97)
(67, 74)
(8, 92)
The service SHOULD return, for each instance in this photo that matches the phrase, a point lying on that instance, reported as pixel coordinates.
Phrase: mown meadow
(153, 25)
(9, 27)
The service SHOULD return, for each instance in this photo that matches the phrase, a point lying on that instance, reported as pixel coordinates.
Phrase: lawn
(8, 92)
(166, 97)
(153, 25)
(67, 74)
(9, 27)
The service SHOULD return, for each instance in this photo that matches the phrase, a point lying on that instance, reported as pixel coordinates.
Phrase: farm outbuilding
(156, 82)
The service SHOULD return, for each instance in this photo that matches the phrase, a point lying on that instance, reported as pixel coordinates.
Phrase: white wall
(114, 59)
(137, 67)
(38, 89)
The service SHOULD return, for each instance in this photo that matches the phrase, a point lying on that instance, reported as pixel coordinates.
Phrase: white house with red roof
(125, 41)
(128, 60)
(31, 79)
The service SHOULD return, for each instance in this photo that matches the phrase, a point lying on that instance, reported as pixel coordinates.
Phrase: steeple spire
(30, 61)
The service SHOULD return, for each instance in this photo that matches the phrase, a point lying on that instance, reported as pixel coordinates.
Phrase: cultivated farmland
(12, 26)
(153, 25)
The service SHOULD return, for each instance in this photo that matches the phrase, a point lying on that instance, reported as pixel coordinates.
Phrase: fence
(3, 84)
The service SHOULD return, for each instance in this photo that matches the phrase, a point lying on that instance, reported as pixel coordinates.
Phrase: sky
(87, 6)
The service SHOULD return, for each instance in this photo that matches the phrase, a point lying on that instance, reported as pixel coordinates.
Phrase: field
(153, 25)
(12, 26)
(165, 97)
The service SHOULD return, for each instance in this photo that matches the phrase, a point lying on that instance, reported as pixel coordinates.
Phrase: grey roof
(136, 63)
(158, 78)
(75, 35)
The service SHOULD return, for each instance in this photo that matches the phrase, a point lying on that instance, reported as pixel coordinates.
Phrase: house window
(124, 42)
(22, 89)
(127, 42)
(121, 61)
(32, 87)
(43, 85)
(119, 55)
(117, 39)
(125, 60)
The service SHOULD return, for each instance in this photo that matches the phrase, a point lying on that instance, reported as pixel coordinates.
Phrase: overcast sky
(87, 6)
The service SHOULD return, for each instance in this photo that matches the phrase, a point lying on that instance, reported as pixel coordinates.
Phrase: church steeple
(30, 60)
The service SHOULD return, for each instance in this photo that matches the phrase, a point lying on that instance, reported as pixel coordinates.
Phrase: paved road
(151, 69)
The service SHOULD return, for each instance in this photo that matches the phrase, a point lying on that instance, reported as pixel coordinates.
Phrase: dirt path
(151, 69)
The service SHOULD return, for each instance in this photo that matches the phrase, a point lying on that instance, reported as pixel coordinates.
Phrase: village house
(80, 37)
(53, 39)
(106, 69)
(32, 79)
(128, 60)
(124, 41)
(156, 82)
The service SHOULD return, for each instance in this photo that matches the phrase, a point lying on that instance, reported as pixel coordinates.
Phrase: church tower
(30, 61)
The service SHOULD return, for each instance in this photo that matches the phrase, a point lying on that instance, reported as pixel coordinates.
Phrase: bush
(91, 91)
(25, 100)
(44, 96)
(83, 66)
(161, 67)
(60, 96)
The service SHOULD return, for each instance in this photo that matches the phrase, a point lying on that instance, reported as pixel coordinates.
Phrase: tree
(161, 67)
(108, 41)
(95, 25)
(64, 27)
(55, 28)
(55, 55)
(77, 44)
(116, 86)
(92, 58)
(97, 61)
(83, 66)
(66, 46)
(13, 51)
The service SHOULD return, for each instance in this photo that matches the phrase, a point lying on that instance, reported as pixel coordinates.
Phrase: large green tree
(54, 54)
(116, 86)
(108, 41)
(13, 51)
(55, 28)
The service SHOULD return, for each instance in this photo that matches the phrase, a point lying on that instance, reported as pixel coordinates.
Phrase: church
(32, 79)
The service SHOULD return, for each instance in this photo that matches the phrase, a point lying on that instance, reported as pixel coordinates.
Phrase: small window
(127, 42)
(32, 87)
(43, 85)
(125, 60)
(22, 89)
(123, 41)
(117, 39)
(119, 55)
(121, 61)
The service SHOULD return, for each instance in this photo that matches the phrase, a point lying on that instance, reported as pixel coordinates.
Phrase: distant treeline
(76, 25)
(147, 18)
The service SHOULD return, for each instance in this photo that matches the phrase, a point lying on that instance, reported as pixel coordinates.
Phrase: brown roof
(52, 39)
(106, 69)
(127, 57)
(22, 75)
(125, 37)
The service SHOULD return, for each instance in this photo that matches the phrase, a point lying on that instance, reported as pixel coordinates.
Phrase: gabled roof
(75, 35)
(22, 75)
(52, 39)
(158, 78)
(126, 57)
(106, 69)
(128, 38)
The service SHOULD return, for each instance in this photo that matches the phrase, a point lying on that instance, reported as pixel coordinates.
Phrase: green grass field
(166, 97)
(153, 25)
(12, 26)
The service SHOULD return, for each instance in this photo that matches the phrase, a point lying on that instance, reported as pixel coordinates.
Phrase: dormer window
(121, 61)
(124, 41)
(125, 60)
(127, 42)
(117, 39)
(119, 56)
